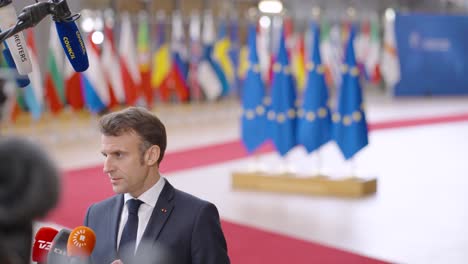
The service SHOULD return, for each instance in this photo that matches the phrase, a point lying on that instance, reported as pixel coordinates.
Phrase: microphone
(22, 80)
(29, 180)
(43, 244)
(16, 43)
(70, 37)
(81, 243)
(29, 189)
(58, 251)
(149, 252)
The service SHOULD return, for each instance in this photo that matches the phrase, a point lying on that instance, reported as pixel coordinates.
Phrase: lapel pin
(164, 210)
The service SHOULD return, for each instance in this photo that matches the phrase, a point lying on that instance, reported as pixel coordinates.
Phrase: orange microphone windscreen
(81, 242)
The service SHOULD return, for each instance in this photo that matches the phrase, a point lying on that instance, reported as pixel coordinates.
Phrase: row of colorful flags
(289, 118)
(157, 68)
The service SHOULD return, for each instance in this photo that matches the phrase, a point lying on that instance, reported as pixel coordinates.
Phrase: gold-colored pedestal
(317, 185)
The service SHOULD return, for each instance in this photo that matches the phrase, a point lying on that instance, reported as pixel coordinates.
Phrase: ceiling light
(270, 6)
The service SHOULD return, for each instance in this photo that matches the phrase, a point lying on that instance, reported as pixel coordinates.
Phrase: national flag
(144, 58)
(195, 57)
(10, 109)
(54, 83)
(162, 55)
(298, 62)
(254, 111)
(332, 52)
(96, 90)
(129, 61)
(108, 57)
(221, 57)
(275, 34)
(390, 63)
(73, 87)
(314, 119)
(350, 126)
(264, 51)
(34, 92)
(282, 112)
(243, 62)
(176, 81)
(111, 63)
(14, 104)
(362, 45)
(207, 74)
(288, 32)
(325, 49)
(372, 61)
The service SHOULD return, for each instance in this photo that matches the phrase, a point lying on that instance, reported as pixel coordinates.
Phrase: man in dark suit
(148, 218)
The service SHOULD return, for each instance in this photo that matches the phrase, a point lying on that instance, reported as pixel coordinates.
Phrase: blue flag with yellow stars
(314, 119)
(349, 120)
(254, 111)
(282, 111)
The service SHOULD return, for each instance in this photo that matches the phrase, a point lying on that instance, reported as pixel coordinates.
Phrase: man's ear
(152, 155)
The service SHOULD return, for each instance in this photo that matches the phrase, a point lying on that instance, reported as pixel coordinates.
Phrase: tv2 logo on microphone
(44, 244)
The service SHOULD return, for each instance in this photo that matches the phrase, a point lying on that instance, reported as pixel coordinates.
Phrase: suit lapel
(160, 214)
(114, 220)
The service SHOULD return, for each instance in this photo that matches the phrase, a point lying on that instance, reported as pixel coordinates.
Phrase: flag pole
(256, 166)
(318, 163)
(352, 168)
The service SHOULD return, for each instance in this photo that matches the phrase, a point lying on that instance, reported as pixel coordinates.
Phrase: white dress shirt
(149, 199)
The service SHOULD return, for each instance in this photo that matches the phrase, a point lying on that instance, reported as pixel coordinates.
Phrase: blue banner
(433, 53)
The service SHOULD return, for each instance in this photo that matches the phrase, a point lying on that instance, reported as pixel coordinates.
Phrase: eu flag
(314, 119)
(349, 120)
(254, 111)
(282, 112)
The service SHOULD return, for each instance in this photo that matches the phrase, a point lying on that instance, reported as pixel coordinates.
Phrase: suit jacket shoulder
(186, 227)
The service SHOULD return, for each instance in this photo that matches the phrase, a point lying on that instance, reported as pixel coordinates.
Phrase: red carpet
(247, 245)
(253, 246)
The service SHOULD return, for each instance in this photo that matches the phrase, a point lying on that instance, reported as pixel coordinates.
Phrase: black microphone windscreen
(29, 182)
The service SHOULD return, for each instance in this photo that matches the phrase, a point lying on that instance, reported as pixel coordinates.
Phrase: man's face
(127, 171)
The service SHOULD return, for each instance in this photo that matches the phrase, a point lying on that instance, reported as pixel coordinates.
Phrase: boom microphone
(22, 80)
(43, 244)
(70, 37)
(58, 251)
(29, 182)
(28, 190)
(16, 43)
(81, 242)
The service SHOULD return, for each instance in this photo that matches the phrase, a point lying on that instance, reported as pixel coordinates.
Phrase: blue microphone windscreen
(23, 80)
(73, 45)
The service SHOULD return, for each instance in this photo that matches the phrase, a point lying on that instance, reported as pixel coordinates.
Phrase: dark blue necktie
(129, 233)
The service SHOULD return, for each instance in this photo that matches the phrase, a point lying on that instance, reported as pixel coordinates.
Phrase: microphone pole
(31, 15)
